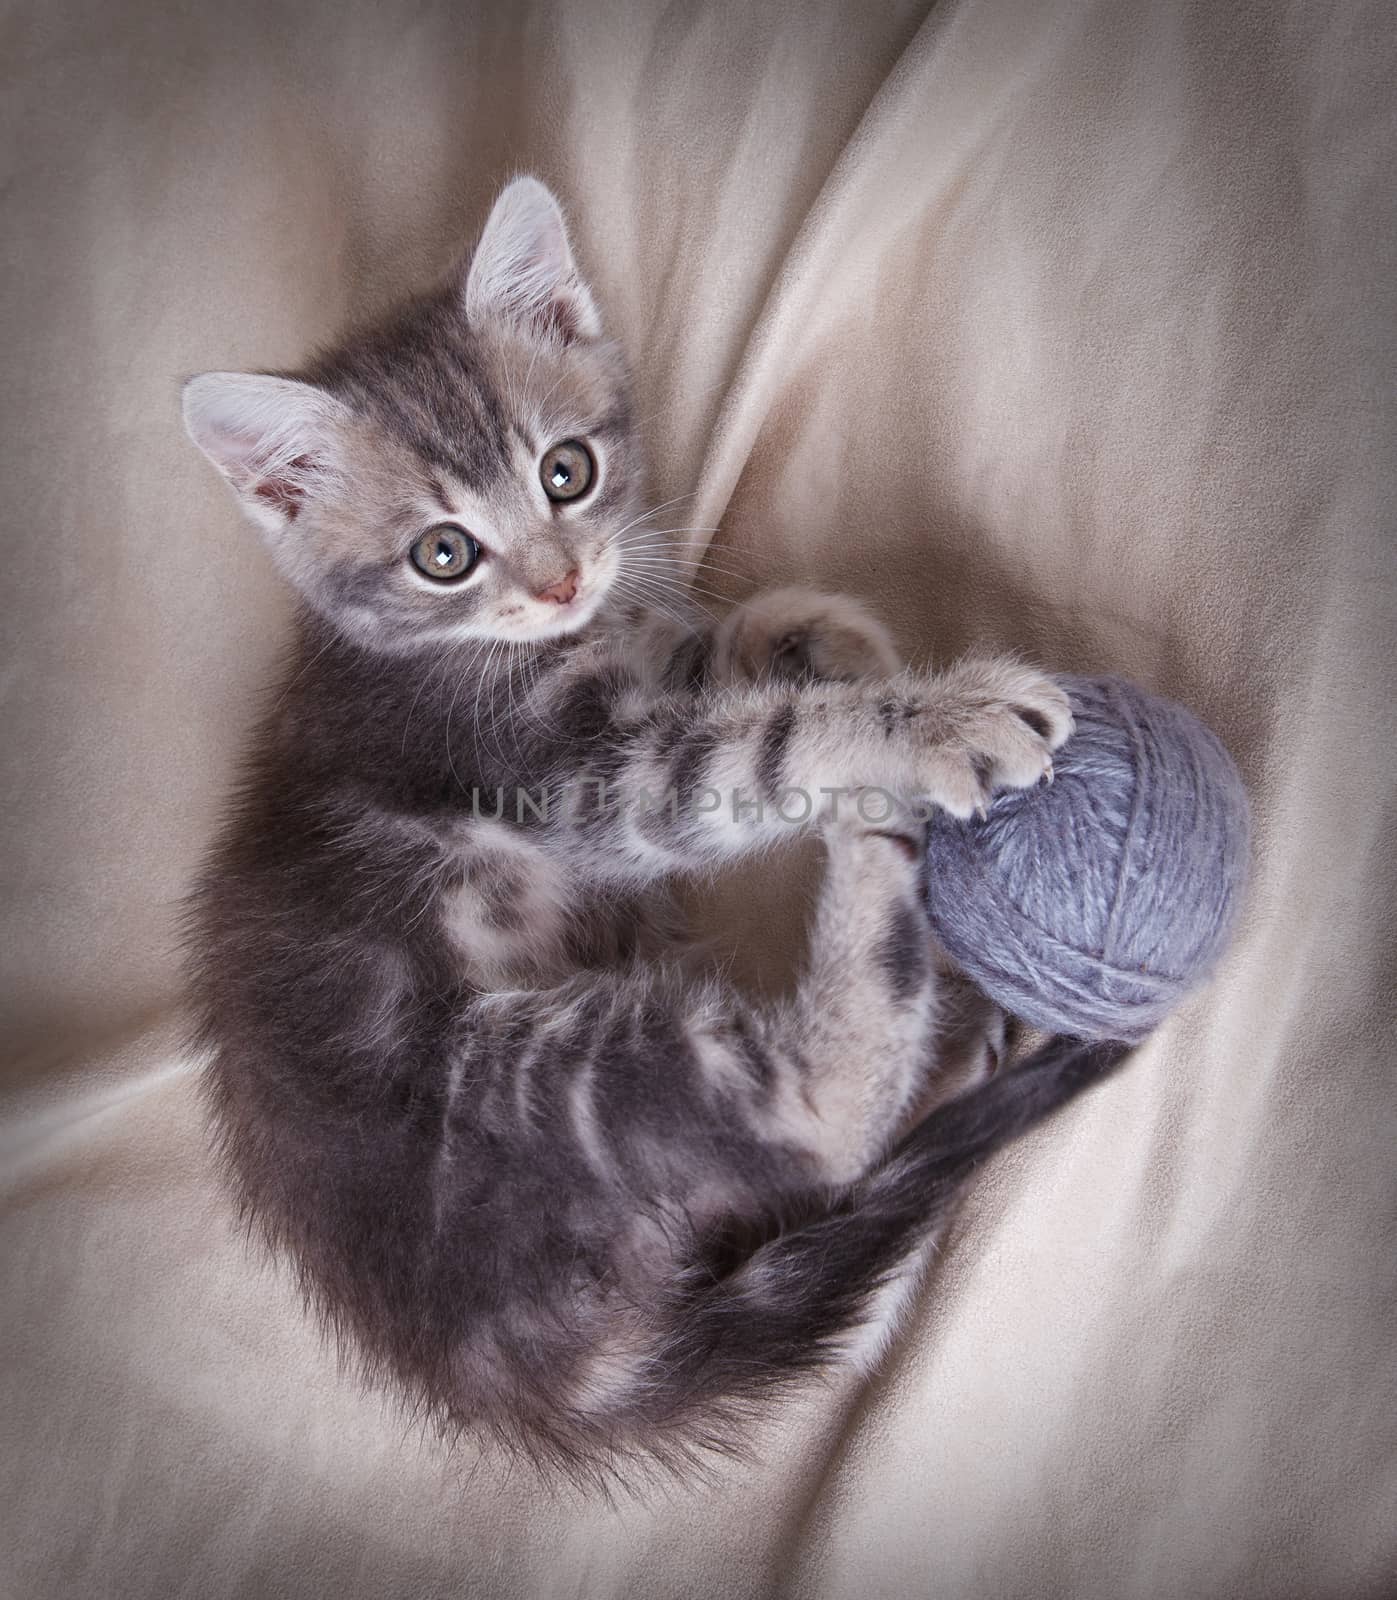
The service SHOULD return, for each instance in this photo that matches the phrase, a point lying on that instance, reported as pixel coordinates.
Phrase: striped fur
(546, 1174)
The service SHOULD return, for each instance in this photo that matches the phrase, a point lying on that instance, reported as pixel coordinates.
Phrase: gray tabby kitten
(546, 1181)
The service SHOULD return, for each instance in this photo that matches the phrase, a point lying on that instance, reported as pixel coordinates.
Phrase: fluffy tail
(800, 1298)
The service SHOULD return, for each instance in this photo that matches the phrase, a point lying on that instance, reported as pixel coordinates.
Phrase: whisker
(648, 534)
(509, 679)
(479, 690)
(692, 589)
(652, 535)
(684, 564)
(301, 672)
(676, 550)
(535, 667)
(525, 714)
(649, 605)
(661, 533)
(646, 515)
(450, 712)
(502, 718)
(650, 594)
(640, 582)
(502, 711)
(435, 673)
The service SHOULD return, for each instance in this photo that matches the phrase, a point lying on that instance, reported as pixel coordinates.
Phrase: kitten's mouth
(554, 621)
(557, 621)
(558, 627)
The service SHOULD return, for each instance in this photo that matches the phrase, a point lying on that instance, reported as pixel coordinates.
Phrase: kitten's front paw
(798, 635)
(989, 725)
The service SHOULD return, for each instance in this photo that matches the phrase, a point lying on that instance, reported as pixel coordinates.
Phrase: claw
(981, 812)
(1048, 773)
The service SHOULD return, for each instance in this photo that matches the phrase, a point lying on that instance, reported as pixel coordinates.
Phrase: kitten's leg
(798, 634)
(688, 1083)
(972, 1042)
(687, 782)
(866, 1011)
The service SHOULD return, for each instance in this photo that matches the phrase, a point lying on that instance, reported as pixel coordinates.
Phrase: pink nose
(562, 592)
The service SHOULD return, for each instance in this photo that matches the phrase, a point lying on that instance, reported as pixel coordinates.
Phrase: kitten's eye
(446, 553)
(567, 470)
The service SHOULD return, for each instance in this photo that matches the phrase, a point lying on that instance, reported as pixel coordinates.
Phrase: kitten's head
(463, 470)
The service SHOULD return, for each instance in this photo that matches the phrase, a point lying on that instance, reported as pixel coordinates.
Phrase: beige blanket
(1063, 325)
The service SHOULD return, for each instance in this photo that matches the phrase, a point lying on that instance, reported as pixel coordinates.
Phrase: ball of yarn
(1091, 906)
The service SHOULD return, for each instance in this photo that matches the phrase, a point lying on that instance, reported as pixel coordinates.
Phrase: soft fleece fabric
(1064, 326)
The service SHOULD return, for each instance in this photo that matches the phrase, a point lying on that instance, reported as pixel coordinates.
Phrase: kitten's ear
(523, 270)
(277, 441)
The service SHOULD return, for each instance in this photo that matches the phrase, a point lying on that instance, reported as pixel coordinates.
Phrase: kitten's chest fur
(455, 767)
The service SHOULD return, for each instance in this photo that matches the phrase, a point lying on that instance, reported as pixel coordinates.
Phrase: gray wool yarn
(1091, 906)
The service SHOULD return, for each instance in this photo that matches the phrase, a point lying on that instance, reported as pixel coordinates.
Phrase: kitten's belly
(508, 915)
(517, 919)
